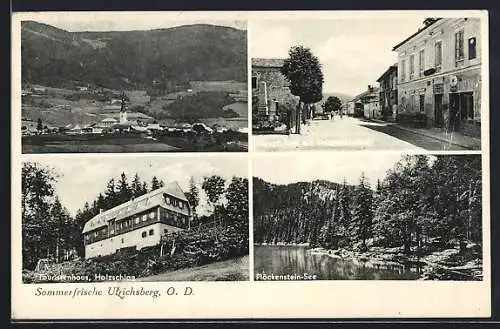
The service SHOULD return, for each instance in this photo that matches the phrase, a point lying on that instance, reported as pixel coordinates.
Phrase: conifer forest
(425, 212)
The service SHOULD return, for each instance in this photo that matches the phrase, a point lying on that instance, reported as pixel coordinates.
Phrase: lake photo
(410, 217)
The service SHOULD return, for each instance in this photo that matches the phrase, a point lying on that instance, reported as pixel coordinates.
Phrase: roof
(108, 120)
(137, 205)
(393, 67)
(415, 34)
(267, 62)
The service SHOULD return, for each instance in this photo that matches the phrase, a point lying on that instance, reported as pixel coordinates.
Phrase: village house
(366, 104)
(439, 72)
(270, 87)
(388, 94)
(138, 223)
(371, 103)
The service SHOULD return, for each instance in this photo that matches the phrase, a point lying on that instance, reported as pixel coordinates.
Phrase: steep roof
(415, 34)
(393, 67)
(267, 62)
(137, 205)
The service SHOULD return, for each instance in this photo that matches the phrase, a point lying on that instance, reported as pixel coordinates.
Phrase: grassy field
(228, 270)
(118, 143)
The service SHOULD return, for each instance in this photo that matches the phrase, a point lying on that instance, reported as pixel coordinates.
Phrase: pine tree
(136, 187)
(362, 212)
(124, 192)
(193, 195)
(155, 183)
(111, 196)
(144, 188)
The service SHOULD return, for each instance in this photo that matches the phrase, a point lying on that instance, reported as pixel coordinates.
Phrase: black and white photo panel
(409, 217)
(139, 84)
(138, 219)
(358, 83)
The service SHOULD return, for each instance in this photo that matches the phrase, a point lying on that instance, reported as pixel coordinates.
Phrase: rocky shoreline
(439, 265)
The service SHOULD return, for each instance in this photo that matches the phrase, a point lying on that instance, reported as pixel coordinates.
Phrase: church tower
(123, 110)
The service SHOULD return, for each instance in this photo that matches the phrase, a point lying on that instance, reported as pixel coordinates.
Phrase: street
(349, 134)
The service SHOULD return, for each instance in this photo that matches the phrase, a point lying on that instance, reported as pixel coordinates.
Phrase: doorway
(454, 112)
(438, 110)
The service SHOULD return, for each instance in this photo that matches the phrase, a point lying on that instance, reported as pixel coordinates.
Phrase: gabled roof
(415, 34)
(267, 62)
(393, 67)
(137, 205)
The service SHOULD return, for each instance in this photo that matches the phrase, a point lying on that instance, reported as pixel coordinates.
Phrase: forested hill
(131, 59)
(294, 212)
(421, 202)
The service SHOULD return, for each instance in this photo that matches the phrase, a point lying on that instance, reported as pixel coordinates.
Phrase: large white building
(439, 73)
(138, 223)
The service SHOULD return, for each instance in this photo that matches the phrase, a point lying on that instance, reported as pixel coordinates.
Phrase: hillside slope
(131, 59)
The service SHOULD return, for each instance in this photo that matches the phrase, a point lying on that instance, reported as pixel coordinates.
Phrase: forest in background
(423, 204)
(50, 232)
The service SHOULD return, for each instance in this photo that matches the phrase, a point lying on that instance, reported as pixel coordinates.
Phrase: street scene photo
(133, 85)
(362, 84)
(410, 217)
(147, 219)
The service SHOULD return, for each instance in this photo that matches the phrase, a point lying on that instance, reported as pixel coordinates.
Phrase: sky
(332, 166)
(353, 52)
(81, 179)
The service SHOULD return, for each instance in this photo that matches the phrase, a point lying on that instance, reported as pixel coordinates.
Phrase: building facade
(371, 103)
(439, 73)
(137, 223)
(270, 88)
(388, 92)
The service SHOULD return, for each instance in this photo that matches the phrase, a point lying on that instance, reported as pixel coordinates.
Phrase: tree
(237, 200)
(303, 70)
(362, 212)
(37, 192)
(124, 192)
(144, 188)
(39, 125)
(111, 197)
(193, 195)
(214, 188)
(136, 187)
(156, 183)
(332, 104)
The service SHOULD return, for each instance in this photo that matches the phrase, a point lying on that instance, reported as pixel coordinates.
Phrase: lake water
(283, 260)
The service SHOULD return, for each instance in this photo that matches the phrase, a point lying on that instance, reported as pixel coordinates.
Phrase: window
(137, 220)
(152, 215)
(181, 204)
(123, 240)
(144, 234)
(421, 103)
(165, 231)
(151, 232)
(412, 67)
(144, 217)
(254, 82)
(167, 200)
(421, 63)
(472, 48)
(403, 71)
(438, 56)
(459, 47)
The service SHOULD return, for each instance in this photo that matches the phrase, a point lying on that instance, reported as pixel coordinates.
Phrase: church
(138, 223)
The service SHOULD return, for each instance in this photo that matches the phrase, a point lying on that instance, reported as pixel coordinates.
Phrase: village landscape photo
(361, 84)
(409, 217)
(145, 218)
(133, 85)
